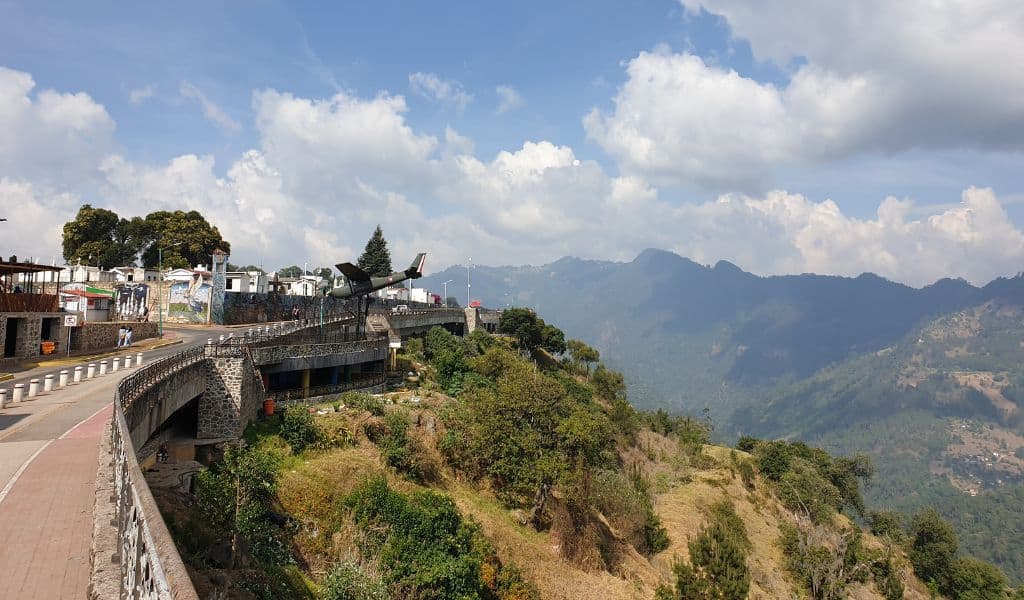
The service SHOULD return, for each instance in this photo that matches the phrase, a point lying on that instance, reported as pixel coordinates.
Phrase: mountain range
(929, 381)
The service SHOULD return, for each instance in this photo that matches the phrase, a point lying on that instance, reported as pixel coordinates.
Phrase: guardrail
(151, 568)
(298, 395)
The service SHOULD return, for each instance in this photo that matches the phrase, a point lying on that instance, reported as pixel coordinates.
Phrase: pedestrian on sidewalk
(128, 338)
(120, 335)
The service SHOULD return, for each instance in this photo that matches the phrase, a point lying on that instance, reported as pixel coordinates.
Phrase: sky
(787, 136)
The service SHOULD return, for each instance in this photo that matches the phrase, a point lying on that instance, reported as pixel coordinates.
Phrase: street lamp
(160, 296)
(469, 265)
(445, 284)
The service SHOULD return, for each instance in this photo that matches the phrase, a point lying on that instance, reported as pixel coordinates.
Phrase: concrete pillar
(63, 380)
(305, 383)
(33, 388)
(103, 367)
(48, 383)
(334, 375)
(348, 373)
(138, 359)
(78, 375)
(115, 364)
(128, 361)
(19, 392)
(90, 372)
(3, 397)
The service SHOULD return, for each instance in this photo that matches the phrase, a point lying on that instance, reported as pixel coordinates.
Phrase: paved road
(48, 457)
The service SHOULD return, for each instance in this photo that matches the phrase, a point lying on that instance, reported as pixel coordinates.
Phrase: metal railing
(151, 568)
(302, 395)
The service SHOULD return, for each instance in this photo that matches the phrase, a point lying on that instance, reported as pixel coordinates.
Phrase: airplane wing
(352, 272)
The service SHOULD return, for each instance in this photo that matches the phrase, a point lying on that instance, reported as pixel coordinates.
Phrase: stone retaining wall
(103, 336)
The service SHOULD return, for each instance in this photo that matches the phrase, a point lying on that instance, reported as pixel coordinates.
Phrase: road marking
(21, 469)
(24, 465)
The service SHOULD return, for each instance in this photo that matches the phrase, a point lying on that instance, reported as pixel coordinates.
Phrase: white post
(221, 338)
(115, 365)
(138, 359)
(63, 380)
(19, 392)
(103, 367)
(3, 397)
(128, 361)
(78, 375)
(90, 372)
(33, 388)
(48, 383)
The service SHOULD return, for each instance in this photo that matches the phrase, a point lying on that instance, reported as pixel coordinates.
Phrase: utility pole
(469, 265)
(445, 284)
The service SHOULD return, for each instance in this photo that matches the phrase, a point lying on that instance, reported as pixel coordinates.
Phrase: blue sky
(718, 129)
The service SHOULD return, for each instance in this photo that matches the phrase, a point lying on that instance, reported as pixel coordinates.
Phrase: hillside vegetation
(926, 381)
(515, 473)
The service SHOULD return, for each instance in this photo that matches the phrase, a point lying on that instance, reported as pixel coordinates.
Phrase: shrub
(298, 428)
(717, 569)
(803, 489)
(724, 514)
(627, 507)
(747, 443)
(402, 452)
(887, 523)
(973, 579)
(747, 475)
(348, 581)
(424, 546)
(364, 401)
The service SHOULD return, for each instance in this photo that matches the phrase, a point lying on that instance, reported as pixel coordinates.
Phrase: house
(135, 275)
(237, 282)
(93, 303)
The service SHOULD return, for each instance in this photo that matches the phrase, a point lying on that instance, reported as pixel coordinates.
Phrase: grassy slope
(311, 488)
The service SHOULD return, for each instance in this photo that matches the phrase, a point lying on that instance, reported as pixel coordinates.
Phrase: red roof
(84, 294)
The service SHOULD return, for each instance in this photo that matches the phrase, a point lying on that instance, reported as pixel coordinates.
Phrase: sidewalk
(58, 360)
(47, 480)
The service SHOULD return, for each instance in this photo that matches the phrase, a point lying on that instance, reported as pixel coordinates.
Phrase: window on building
(228, 285)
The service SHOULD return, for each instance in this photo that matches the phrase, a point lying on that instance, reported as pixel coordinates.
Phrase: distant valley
(928, 381)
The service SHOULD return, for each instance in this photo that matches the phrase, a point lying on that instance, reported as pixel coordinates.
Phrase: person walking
(120, 335)
(128, 338)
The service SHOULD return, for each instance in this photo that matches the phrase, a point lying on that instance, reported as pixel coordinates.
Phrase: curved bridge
(225, 378)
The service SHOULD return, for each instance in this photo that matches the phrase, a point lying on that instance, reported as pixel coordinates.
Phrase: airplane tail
(415, 270)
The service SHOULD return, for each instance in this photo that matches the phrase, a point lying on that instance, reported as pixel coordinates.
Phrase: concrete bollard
(138, 359)
(115, 364)
(90, 371)
(33, 388)
(221, 338)
(78, 375)
(3, 397)
(62, 381)
(128, 361)
(103, 367)
(48, 383)
(19, 392)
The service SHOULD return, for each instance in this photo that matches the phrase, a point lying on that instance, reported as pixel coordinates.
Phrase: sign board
(71, 320)
(394, 344)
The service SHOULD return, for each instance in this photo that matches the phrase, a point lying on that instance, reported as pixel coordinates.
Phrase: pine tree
(376, 260)
(717, 569)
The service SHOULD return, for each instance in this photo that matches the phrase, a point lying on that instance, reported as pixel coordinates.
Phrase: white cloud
(508, 99)
(140, 95)
(874, 77)
(49, 136)
(211, 111)
(442, 91)
(35, 219)
(328, 170)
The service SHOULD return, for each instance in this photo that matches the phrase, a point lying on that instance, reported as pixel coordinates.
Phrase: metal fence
(302, 395)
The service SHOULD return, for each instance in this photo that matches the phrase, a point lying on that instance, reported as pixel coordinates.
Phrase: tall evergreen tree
(376, 260)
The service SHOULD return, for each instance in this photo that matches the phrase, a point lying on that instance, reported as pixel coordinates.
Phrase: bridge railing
(299, 395)
(151, 567)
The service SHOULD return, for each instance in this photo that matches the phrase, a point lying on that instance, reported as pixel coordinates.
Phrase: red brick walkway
(46, 518)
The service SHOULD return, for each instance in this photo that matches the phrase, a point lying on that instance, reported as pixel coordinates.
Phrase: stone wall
(103, 336)
(234, 392)
(30, 328)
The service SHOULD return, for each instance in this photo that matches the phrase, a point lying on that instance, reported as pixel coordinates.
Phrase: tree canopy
(97, 236)
(376, 260)
(100, 237)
